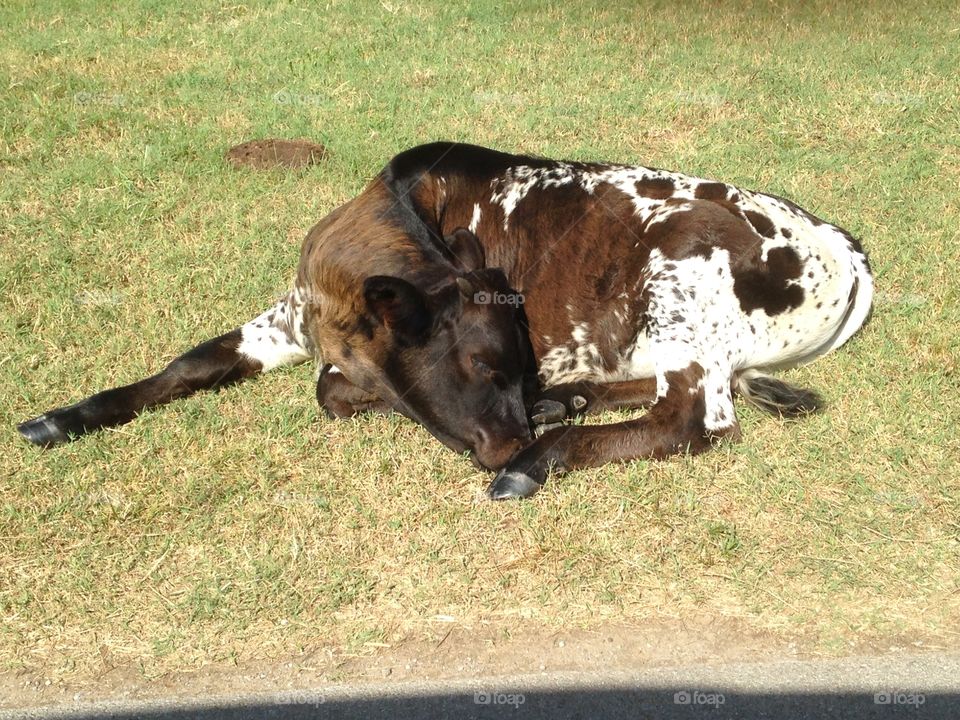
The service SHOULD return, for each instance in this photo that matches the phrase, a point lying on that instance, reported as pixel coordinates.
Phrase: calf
(460, 270)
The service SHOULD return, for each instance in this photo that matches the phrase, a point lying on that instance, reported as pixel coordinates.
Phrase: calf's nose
(494, 452)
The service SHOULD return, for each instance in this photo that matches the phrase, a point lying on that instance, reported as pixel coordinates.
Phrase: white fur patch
(578, 360)
(475, 220)
(275, 338)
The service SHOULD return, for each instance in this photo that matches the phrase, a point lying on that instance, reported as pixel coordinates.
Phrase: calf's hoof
(43, 431)
(512, 484)
(548, 411)
(546, 415)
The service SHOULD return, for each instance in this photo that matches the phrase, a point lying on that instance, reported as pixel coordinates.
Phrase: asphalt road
(890, 686)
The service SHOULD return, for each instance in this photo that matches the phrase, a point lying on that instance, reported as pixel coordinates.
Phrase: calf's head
(453, 358)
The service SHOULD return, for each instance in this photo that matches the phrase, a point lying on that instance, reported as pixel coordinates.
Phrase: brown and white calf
(435, 291)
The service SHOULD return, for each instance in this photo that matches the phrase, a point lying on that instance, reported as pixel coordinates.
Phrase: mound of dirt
(274, 153)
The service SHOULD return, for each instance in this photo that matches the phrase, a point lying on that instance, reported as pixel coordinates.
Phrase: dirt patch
(448, 651)
(486, 652)
(275, 153)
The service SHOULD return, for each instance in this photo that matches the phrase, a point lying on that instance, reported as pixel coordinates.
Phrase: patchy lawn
(240, 524)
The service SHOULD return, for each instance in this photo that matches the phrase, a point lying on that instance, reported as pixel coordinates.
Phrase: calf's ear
(466, 246)
(398, 306)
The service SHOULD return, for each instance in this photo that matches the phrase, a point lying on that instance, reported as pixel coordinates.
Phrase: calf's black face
(454, 360)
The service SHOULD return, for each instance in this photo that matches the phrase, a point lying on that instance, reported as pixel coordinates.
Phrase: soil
(453, 652)
(276, 153)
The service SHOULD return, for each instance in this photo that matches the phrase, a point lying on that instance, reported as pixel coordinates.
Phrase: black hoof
(512, 484)
(545, 412)
(43, 431)
(539, 430)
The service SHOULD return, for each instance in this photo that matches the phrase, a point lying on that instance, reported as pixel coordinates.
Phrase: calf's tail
(775, 396)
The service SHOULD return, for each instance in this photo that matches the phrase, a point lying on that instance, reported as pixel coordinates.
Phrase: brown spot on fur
(655, 188)
(711, 191)
(761, 223)
(730, 208)
(603, 283)
(766, 285)
(707, 226)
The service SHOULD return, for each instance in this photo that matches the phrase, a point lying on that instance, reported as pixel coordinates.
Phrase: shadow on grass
(567, 703)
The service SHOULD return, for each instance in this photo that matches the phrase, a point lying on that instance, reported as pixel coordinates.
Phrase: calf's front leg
(340, 398)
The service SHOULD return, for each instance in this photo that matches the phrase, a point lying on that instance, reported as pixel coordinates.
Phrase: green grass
(240, 524)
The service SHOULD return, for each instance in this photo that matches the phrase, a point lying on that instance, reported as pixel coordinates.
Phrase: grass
(239, 524)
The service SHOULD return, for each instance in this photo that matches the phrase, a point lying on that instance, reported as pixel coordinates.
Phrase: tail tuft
(777, 397)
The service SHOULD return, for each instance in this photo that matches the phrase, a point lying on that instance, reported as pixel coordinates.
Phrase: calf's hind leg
(266, 342)
(691, 411)
(561, 402)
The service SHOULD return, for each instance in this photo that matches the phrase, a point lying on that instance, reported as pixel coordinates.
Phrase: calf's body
(639, 288)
